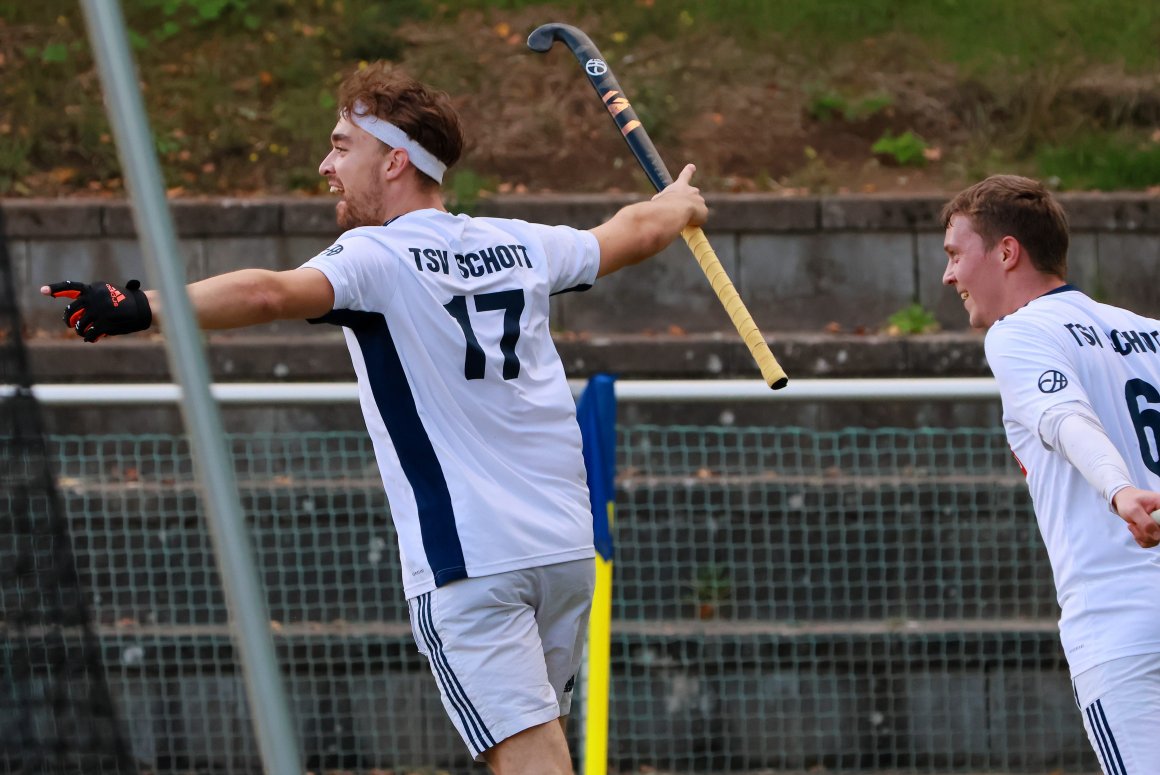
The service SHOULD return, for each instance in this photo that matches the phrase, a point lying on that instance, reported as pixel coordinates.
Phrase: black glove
(102, 309)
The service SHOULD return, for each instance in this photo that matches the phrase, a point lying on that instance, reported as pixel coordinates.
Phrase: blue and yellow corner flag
(596, 413)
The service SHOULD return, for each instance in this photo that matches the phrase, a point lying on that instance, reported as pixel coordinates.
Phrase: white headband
(390, 134)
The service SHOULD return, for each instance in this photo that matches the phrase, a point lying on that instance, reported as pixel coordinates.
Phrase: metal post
(249, 620)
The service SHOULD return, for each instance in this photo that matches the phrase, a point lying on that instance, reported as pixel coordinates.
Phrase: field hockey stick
(604, 82)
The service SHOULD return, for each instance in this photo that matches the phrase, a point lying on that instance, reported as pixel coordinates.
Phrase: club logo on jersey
(333, 250)
(595, 67)
(1052, 381)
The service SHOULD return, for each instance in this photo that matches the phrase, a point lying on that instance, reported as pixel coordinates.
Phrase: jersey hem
(1135, 650)
(584, 553)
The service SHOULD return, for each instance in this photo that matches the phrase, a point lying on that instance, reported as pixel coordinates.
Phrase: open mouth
(335, 190)
(964, 295)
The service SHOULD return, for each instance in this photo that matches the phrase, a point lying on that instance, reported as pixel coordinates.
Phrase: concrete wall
(799, 263)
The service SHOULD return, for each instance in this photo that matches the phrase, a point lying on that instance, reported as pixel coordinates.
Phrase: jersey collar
(1061, 289)
(1052, 292)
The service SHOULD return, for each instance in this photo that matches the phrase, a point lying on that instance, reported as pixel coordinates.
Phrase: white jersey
(1064, 347)
(463, 392)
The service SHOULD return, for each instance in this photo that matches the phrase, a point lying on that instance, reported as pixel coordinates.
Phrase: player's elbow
(268, 305)
(266, 299)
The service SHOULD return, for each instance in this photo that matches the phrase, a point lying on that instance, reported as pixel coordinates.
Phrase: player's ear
(394, 163)
(1010, 252)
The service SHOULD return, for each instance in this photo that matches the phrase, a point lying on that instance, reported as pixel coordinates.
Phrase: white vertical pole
(249, 620)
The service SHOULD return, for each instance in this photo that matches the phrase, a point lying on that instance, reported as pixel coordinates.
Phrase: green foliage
(1102, 162)
(868, 106)
(712, 588)
(13, 163)
(995, 36)
(828, 104)
(183, 15)
(240, 77)
(905, 149)
(369, 27)
(658, 110)
(54, 52)
(197, 10)
(466, 188)
(815, 175)
(713, 583)
(914, 319)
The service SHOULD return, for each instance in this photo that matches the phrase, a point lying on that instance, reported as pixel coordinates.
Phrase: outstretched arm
(243, 298)
(644, 229)
(249, 297)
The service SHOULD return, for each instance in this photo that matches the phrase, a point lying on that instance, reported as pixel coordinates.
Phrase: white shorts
(1120, 702)
(505, 648)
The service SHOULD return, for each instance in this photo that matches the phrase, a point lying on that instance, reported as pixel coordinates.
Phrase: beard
(353, 212)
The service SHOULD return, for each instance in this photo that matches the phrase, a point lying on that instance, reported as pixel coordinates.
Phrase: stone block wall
(800, 264)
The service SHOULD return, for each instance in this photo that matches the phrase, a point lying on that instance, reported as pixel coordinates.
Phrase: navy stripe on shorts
(1106, 742)
(477, 732)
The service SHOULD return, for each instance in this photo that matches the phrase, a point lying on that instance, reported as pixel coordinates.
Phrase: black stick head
(545, 35)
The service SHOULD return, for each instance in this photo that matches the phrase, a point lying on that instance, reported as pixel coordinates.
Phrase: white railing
(260, 393)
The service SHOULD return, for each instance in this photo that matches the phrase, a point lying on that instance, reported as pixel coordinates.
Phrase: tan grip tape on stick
(771, 370)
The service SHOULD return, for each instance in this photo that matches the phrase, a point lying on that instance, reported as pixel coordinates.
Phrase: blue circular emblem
(1052, 381)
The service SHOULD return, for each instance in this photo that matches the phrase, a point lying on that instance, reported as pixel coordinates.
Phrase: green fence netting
(56, 714)
(784, 600)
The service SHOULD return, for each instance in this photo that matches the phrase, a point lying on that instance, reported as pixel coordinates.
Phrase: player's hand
(689, 194)
(1135, 506)
(102, 309)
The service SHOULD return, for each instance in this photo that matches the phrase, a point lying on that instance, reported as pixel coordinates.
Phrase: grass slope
(764, 95)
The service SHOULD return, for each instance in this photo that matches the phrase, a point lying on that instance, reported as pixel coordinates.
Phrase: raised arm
(644, 229)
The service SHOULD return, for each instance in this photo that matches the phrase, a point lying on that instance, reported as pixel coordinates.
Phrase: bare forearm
(654, 224)
(232, 300)
(646, 228)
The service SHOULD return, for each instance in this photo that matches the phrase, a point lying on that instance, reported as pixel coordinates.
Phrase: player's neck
(1034, 286)
(411, 200)
(1044, 284)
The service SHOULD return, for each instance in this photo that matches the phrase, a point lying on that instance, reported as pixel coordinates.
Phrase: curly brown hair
(1010, 205)
(425, 114)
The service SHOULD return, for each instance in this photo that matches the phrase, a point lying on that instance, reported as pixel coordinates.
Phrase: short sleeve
(1033, 369)
(573, 257)
(355, 267)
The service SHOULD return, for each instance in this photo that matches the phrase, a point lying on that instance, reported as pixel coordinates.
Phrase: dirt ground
(753, 118)
(757, 115)
(749, 121)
